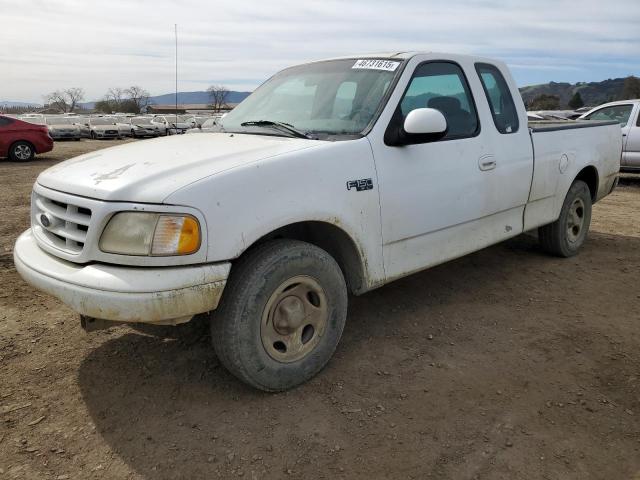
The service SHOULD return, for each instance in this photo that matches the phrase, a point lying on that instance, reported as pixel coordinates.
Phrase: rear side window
(618, 113)
(503, 109)
(5, 121)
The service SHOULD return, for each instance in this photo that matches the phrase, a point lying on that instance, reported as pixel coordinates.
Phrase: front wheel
(281, 316)
(565, 236)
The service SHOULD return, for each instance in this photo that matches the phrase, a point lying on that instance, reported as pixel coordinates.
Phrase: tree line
(125, 100)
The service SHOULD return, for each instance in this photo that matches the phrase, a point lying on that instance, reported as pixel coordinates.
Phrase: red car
(20, 141)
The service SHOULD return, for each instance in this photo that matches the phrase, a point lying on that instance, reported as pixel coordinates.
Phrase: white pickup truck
(335, 176)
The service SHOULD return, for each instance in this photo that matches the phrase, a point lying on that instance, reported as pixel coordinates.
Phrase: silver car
(103, 127)
(63, 128)
(143, 127)
(207, 126)
(627, 113)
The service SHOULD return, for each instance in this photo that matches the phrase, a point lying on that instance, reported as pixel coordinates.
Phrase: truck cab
(333, 178)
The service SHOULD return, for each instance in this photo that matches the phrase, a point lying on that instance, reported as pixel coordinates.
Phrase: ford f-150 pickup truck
(333, 177)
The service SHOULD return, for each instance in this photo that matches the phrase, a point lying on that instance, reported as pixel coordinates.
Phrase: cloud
(47, 44)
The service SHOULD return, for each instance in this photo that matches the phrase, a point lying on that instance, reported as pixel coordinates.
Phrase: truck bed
(553, 125)
(561, 150)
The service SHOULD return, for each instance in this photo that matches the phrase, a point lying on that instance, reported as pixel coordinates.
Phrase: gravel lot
(506, 364)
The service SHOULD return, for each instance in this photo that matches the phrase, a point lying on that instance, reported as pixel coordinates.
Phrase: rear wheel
(281, 315)
(21, 152)
(565, 236)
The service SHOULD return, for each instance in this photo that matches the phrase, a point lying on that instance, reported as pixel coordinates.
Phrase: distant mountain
(7, 103)
(196, 97)
(592, 93)
(185, 98)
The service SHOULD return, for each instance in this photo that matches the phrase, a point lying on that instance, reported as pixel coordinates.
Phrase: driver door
(437, 199)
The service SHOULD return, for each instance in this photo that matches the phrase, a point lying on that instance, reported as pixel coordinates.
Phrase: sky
(54, 44)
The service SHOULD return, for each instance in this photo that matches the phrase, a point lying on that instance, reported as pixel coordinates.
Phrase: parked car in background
(209, 125)
(123, 124)
(103, 127)
(143, 127)
(627, 114)
(82, 124)
(162, 124)
(184, 123)
(175, 124)
(63, 128)
(21, 141)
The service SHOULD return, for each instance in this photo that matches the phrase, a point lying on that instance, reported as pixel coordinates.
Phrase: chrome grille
(63, 225)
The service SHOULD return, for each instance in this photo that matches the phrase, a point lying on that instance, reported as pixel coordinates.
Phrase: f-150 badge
(359, 185)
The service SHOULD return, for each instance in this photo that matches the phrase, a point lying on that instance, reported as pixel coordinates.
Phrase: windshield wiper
(278, 126)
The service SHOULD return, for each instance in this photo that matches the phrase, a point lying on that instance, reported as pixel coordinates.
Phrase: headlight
(141, 233)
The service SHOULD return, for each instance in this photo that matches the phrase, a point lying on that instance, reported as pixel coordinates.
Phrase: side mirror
(422, 125)
(424, 121)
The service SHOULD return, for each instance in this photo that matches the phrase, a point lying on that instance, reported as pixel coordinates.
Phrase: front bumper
(64, 136)
(119, 293)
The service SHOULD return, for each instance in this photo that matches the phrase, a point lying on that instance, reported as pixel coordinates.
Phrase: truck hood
(150, 170)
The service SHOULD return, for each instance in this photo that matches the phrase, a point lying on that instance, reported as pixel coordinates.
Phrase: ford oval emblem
(44, 220)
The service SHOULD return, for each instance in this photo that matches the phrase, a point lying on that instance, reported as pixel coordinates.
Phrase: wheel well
(589, 175)
(333, 240)
(23, 141)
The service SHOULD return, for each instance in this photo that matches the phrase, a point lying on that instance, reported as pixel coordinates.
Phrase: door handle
(487, 162)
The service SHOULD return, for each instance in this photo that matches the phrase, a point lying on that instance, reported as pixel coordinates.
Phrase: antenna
(175, 27)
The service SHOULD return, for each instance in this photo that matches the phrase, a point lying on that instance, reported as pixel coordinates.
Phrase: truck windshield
(337, 97)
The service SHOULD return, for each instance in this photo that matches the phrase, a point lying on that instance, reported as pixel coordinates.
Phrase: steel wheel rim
(575, 220)
(23, 152)
(294, 319)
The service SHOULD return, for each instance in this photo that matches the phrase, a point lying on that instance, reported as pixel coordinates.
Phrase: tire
(565, 236)
(274, 340)
(21, 151)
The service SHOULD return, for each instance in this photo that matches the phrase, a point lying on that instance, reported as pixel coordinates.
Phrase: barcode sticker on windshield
(372, 64)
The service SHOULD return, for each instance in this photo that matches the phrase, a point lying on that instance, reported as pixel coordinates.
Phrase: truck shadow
(168, 409)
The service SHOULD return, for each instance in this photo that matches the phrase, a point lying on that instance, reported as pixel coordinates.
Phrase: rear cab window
(496, 89)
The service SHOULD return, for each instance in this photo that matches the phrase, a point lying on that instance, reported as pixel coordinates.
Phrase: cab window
(443, 86)
(503, 109)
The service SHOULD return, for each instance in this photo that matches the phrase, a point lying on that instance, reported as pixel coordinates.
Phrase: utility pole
(175, 26)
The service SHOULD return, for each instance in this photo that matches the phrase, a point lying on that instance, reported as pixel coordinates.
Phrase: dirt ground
(506, 364)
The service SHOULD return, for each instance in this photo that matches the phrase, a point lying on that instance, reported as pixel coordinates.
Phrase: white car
(207, 126)
(124, 125)
(333, 177)
(627, 114)
(143, 127)
(103, 127)
(63, 128)
(174, 124)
